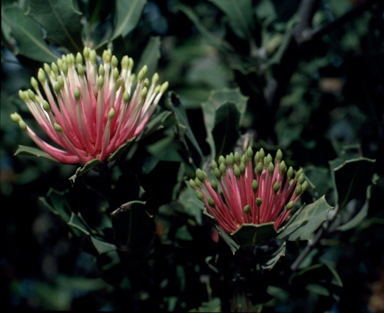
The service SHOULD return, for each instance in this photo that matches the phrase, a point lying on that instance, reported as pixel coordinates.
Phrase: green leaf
(60, 20)
(78, 224)
(128, 15)
(306, 222)
(155, 123)
(28, 35)
(320, 178)
(239, 14)
(226, 130)
(25, 150)
(269, 264)
(213, 305)
(56, 202)
(101, 246)
(318, 273)
(83, 170)
(191, 204)
(251, 234)
(182, 233)
(150, 56)
(115, 155)
(204, 32)
(182, 121)
(360, 216)
(351, 179)
(222, 140)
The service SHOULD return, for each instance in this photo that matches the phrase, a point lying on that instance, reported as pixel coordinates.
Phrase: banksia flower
(88, 111)
(243, 194)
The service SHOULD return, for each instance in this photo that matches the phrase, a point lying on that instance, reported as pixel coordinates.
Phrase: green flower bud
(198, 183)
(22, 95)
(46, 106)
(236, 171)
(143, 93)
(92, 56)
(115, 74)
(213, 164)
(124, 62)
(257, 157)
(237, 158)
(289, 206)
(242, 168)
(115, 62)
(217, 173)
(255, 185)
(282, 168)
(298, 190)
(100, 82)
(76, 93)
(64, 68)
(290, 173)
(146, 83)
(249, 153)
(276, 187)
(298, 173)
(271, 168)
(214, 185)
(34, 83)
(200, 175)
(58, 128)
(279, 156)
(304, 186)
(101, 70)
(193, 184)
(258, 202)
(16, 118)
(126, 97)
(79, 58)
(41, 76)
(55, 69)
(259, 169)
(222, 160)
(247, 209)
(47, 69)
(23, 126)
(222, 168)
(229, 160)
(164, 87)
(60, 80)
(301, 179)
(86, 53)
(200, 196)
(80, 70)
(211, 203)
(261, 154)
(155, 78)
(111, 114)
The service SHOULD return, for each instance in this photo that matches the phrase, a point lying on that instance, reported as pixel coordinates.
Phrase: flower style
(247, 198)
(90, 112)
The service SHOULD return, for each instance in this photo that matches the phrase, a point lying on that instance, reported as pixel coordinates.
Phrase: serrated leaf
(150, 56)
(351, 179)
(128, 15)
(204, 32)
(25, 150)
(102, 247)
(269, 264)
(251, 234)
(239, 14)
(83, 170)
(182, 120)
(28, 35)
(306, 222)
(60, 20)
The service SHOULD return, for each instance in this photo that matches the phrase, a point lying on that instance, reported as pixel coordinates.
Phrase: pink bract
(90, 111)
(246, 195)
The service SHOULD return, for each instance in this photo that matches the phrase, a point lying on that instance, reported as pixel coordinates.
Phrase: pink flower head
(88, 111)
(244, 195)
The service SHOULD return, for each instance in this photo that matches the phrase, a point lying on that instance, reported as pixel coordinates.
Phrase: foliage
(129, 233)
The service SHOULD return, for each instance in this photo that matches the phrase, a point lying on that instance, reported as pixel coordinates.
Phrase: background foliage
(304, 76)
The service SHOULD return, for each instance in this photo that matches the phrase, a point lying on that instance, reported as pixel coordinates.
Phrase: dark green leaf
(269, 264)
(150, 56)
(239, 14)
(25, 150)
(60, 20)
(318, 273)
(226, 130)
(102, 247)
(204, 32)
(182, 233)
(83, 170)
(78, 224)
(155, 123)
(213, 305)
(128, 15)
(191, 204)
(28, 35)
(360, 216)
(306, 222)
(251, 234)
(182, 120)
(115, 155)
(351, 179)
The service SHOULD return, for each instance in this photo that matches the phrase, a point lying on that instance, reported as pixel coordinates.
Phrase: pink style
(246, 196)
(90, 111)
